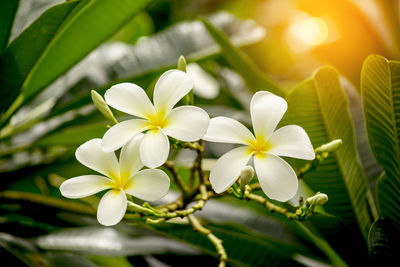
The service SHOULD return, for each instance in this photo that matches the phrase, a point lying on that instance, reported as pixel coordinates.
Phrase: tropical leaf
(20, 249)
(140, 64)
(92, 24)
(100, 240)
(8, 9)
(20, 56)
(243, 247)
(383, 242)
(380, 89)
(74, 136)
(389, 198)
(320, 106)
(253, 76)
(144, 61)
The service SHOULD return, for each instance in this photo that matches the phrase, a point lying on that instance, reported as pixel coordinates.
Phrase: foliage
(46, 76)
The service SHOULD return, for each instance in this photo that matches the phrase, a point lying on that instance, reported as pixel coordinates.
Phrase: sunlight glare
(313, 31)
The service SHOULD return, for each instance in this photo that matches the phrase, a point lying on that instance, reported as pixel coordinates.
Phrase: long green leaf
(90, 26)
(253, 76)
(383, 243)
(380, 89)
(335, 259)
(74, 136)
(320, 106)
(21, 55)
(8, 9)
(140, 64)
(389, 199)
(243, 248)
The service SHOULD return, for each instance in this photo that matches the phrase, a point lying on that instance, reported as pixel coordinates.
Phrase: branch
(272, 207)
(148, 210)
(223, 257)
(177, 179)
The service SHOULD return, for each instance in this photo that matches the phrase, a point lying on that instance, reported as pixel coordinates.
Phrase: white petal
(228, 167)
(83, 186)
(172, 86)
(129, 98)
(122, 133)
(266, 111)
(291, 141)
(112, 207)
(154, 148)
(149, 185)
(91, 155)
(187, 123)
(129, 159)
(227, 130)
(277, 178)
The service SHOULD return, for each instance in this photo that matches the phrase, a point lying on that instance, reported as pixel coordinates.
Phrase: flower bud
(330, 147)
(102, 106)
(246, 175)
(319, 199)
(182, 63)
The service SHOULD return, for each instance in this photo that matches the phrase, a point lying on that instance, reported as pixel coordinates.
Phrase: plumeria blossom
(185, 123)
(277, 178)
(119, 177)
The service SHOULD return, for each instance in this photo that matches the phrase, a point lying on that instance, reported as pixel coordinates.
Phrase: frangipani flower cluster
(277, 178)
(188, 124)
(119, 177)
(185, 123)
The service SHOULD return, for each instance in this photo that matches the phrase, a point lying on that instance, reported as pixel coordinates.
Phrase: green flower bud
(182, 63)
(246, 175)
(330, 147)
(102, 106)
(319, 199)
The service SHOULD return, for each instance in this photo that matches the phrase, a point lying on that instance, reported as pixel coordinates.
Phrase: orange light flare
(306, 32)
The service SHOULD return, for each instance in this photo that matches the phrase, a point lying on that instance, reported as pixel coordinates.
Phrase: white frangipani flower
(120, 177)
(185, 123)
(277, 178)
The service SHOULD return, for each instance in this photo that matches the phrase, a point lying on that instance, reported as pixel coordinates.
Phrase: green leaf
(98, 240)
(320, 106)
(21, 55)
(22, 249)
(244, 248)
(383, 243)
(93, 24)
(8, 9)
(380, 90)
(253, 76)
(90, 26)
(107, 261)
(73, 136)
(324, 246)
(389, 199)
(141, 65)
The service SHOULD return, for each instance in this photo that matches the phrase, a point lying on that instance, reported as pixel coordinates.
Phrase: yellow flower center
(259, 147)
(120, 181)
(157, 121)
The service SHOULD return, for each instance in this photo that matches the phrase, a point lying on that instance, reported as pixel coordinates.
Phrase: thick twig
(147, 210)
(198, 163)
(270, 206)
(177, 179)
(223, 257)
